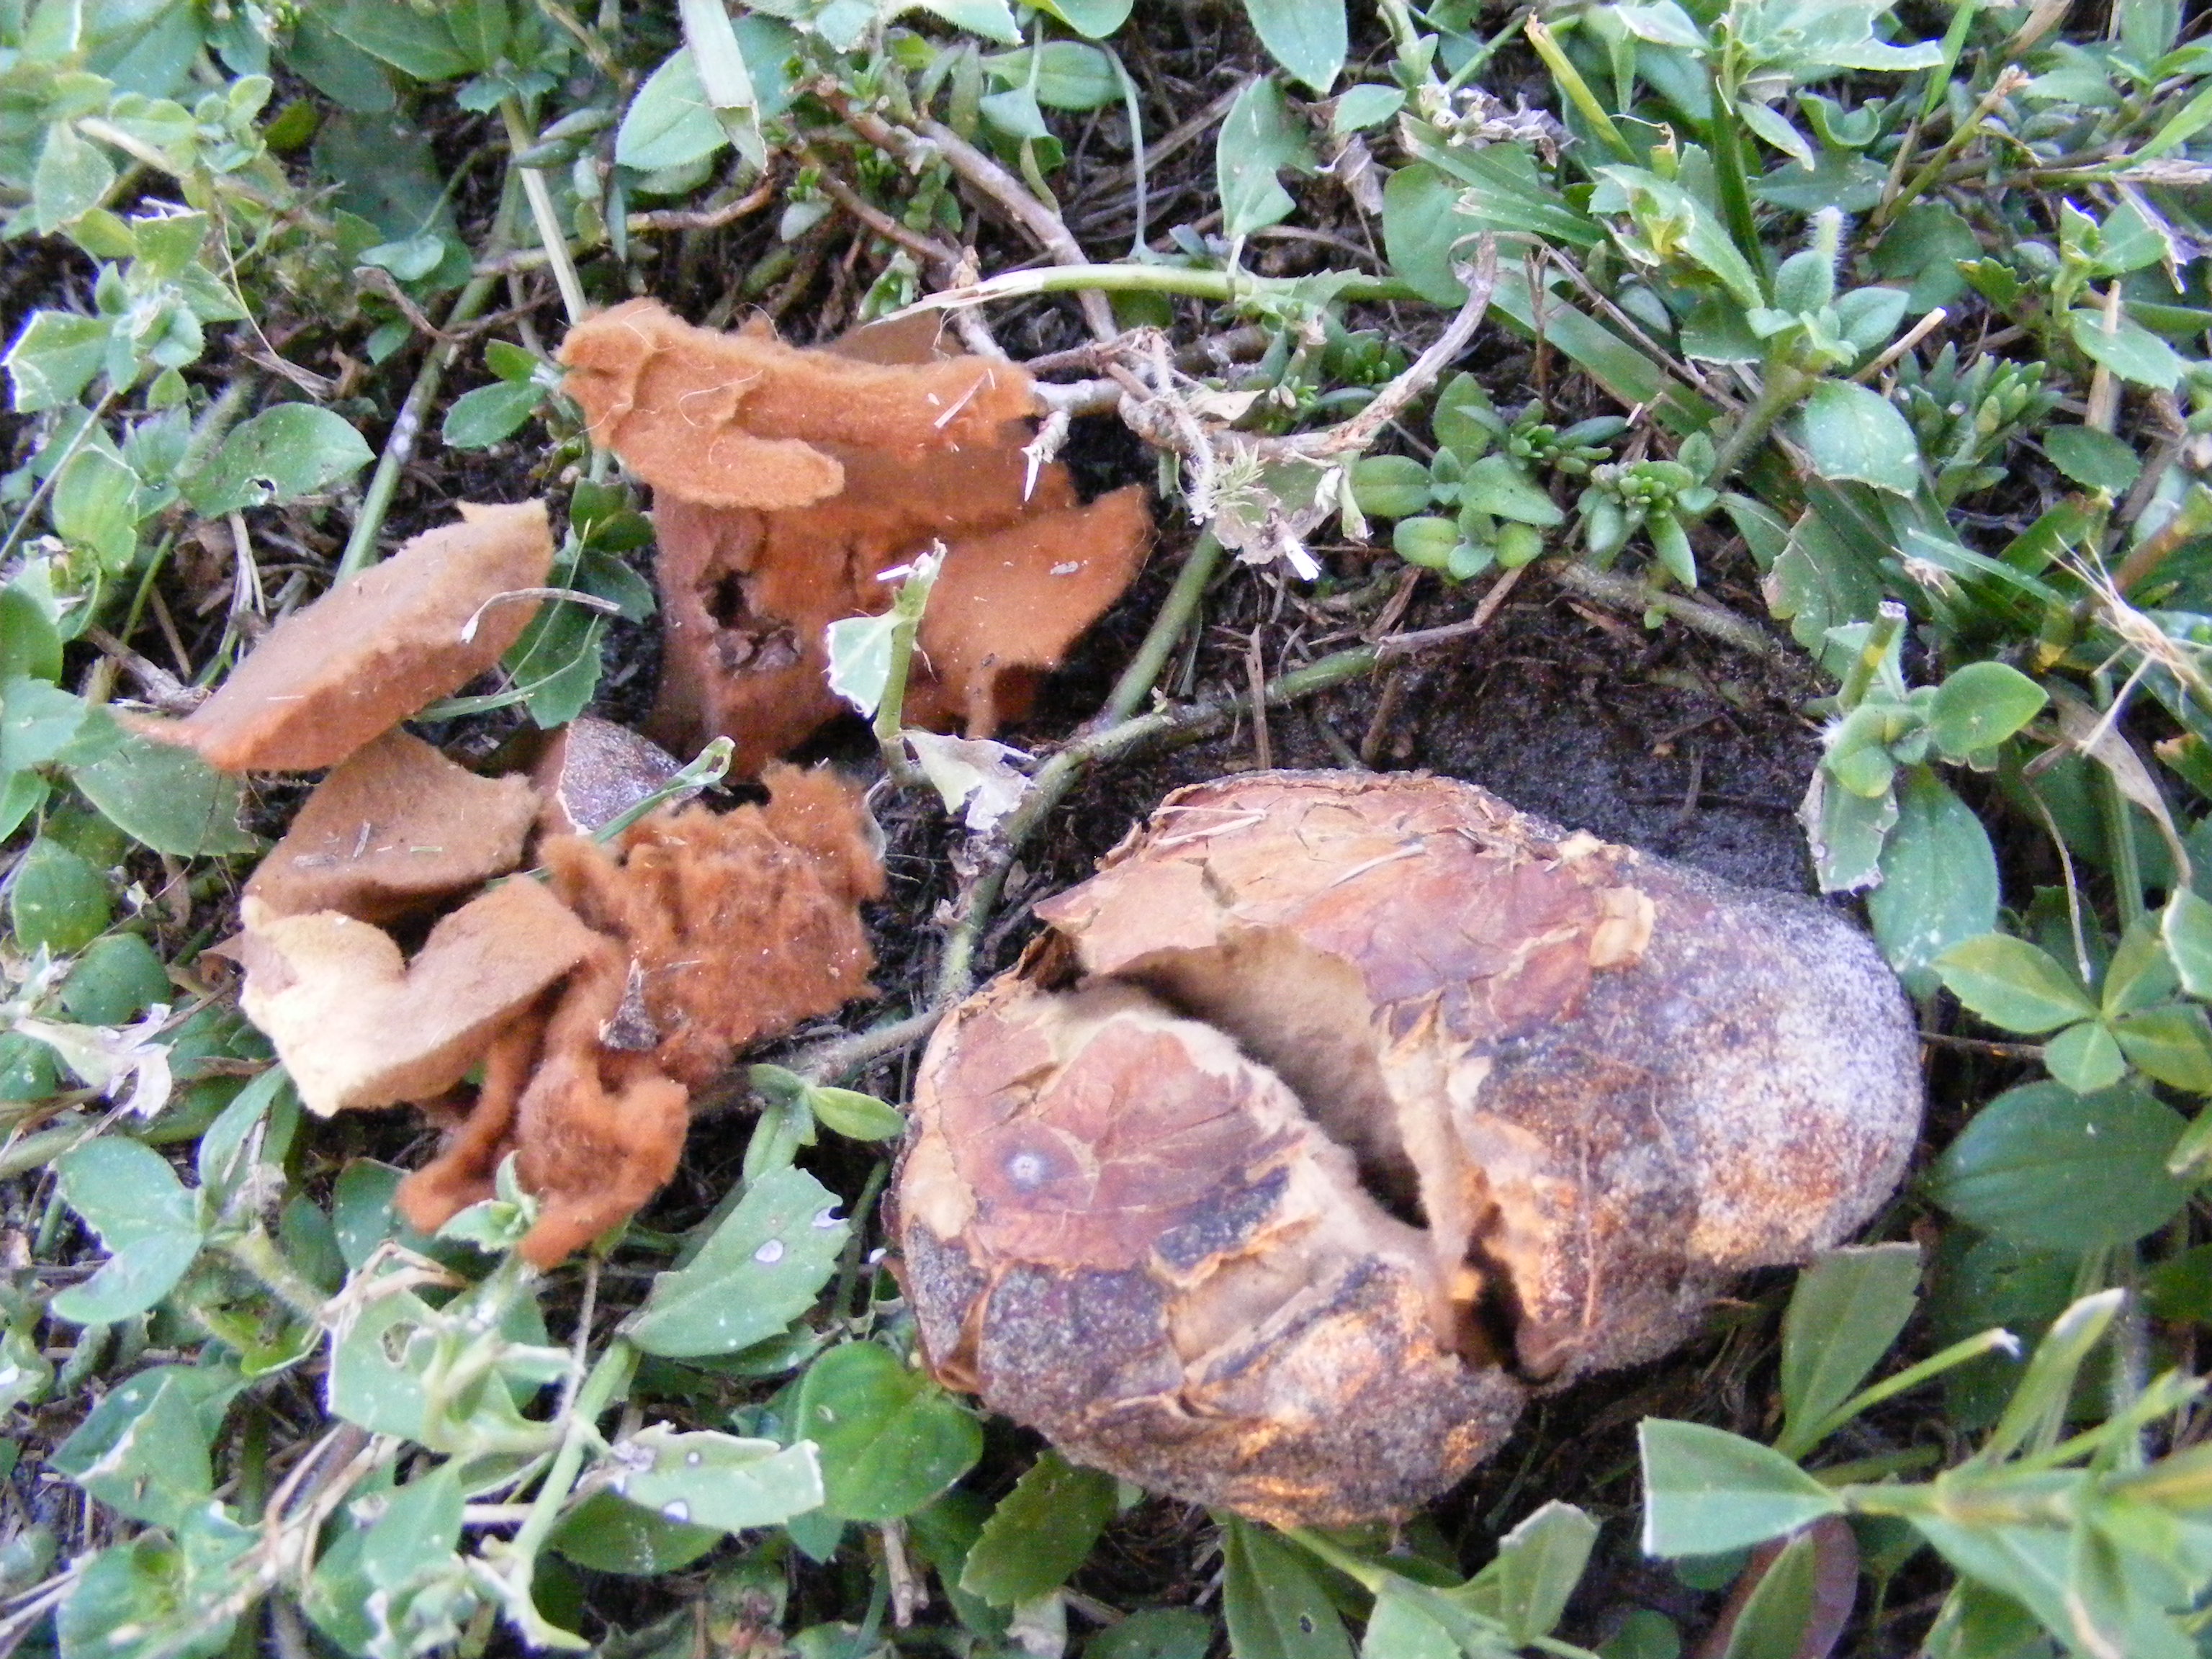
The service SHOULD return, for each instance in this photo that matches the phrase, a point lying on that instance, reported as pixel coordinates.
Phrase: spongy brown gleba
(1340, 1112)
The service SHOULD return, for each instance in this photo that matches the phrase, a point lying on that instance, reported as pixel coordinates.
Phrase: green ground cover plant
(1895, 318)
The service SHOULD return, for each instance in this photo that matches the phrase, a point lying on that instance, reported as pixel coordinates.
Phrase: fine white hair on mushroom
(1338, 1113)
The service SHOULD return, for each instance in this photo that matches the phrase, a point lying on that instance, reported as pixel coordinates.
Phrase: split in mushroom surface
(1338, 1113)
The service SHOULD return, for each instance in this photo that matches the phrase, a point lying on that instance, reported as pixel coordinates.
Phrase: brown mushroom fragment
(1340, 1111)
(787, 481)
(737, 926)
(358, 1025)
(394, 826)
(739, 419)
(591, 771)
(332, 677)
(595, 1131)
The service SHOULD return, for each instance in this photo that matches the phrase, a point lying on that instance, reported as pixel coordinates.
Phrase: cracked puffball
(1340, 1112)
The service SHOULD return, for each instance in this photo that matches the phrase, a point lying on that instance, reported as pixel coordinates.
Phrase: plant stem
(550, 236)
(407, 427)
(1220, 285)
(256, 1252)
(1932, 171)
(1887, 622)
(605, 1388)
(1785, 387)
(1168, 626)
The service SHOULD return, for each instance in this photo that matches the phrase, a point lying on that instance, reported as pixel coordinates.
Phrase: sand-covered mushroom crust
(1339, 1112)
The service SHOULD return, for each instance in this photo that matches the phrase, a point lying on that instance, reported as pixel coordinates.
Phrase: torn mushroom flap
(380, 646)
(705, 933)
(758, 556)
(741, 420)
(393, 827)
(1576, 1089)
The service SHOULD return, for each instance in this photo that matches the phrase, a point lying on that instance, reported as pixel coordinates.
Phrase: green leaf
(2047, 1168)
(168, 798)
(2187, 926)
(2132, 351)
(1273, 1602)
(1775, 1620)
(42, 725)
(2085, 1057)
(479, 419)
(154, 1598)
(416, 42)
(1536, 1569)
(279, 455)
(725, 78)
(1939, 880)
(1496, 485)
(2011, 983)
(1404, 1624)
(710, 1479)
(1853, 432)
(860, 659)
(1306, 37)
(1427, 541)
(1390, 486)
(2094, 459)
(1706, 1490)
(2170, 1045)
(156, 1468)
(1258, 140)
(1095, 18)
(54, 358)
(1154, 1633)
(890, 1439)
(1358, 108)
(94, 506)
(609, 1534)
(116, 979)
(759, 1270)
(1979, 706)
(1040, 1533)
(1848, 1307)
(1696, 231)
(855, 1116)
(56, 900)
(1069, 75)
(150, 1225)
(72, 177)
(992, 19)
(1820, 580)
(669, 123)
(481, 29)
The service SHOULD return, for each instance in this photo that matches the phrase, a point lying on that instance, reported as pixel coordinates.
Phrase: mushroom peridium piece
(1339, 1112)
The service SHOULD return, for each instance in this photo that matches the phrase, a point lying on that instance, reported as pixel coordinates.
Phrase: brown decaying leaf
(358, 1025)
(741, 419)
(393, 827)
(591, 771)
(747, 594)
(1339, 1112)
(740, 924)
(334, 677)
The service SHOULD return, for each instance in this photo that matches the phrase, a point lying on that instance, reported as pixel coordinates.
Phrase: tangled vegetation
(1895, 317)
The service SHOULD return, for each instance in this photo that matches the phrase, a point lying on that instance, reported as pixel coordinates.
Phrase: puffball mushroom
(1338, 1113)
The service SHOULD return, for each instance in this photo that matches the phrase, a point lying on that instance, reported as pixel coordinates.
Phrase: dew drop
(1305, 1622)
(769, 1253)
(829, 1217)
(693, 1460)
(676, 1509)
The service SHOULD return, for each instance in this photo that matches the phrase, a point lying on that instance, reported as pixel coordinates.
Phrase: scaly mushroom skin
(1340, 1111)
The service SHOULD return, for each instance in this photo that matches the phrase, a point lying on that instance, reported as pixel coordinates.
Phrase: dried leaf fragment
(394, 826)
(738, 420)
(591, 771)
(1578, 1087)
(358, 1025)
(333, 676)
